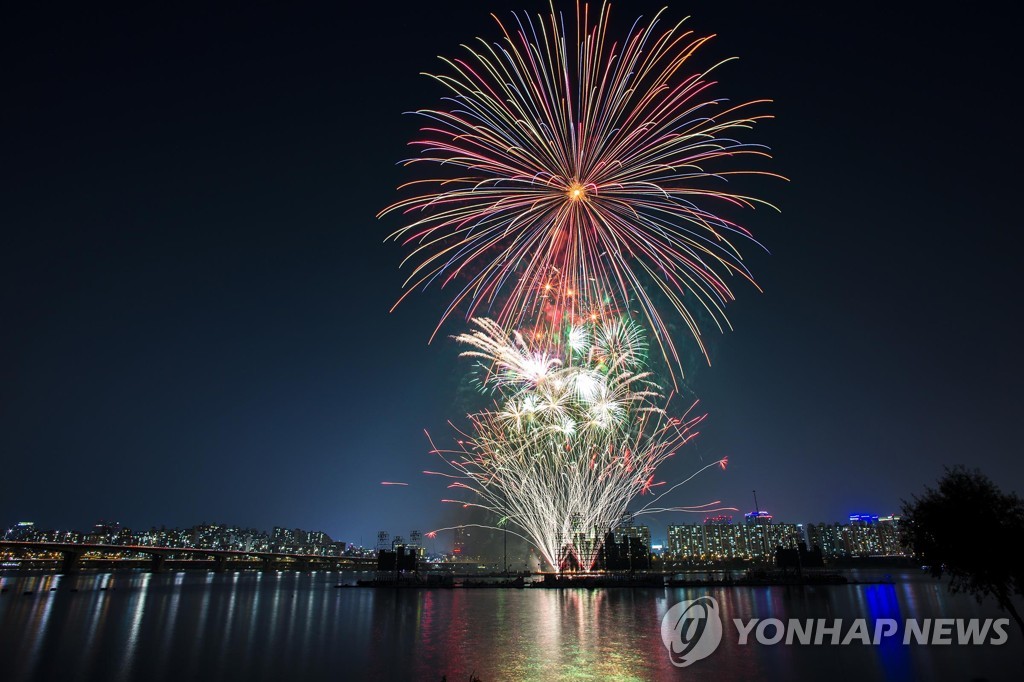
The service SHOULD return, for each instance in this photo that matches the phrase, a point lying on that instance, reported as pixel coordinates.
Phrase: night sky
(194, 288)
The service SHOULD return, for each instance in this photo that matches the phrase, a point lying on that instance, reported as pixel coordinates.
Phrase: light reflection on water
(256, 626)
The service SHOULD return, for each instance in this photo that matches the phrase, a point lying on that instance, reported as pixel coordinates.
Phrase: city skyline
(716, 541)
(113, 528)
(196, 289)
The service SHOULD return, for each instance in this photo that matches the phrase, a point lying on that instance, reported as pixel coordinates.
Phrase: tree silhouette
(969, 530)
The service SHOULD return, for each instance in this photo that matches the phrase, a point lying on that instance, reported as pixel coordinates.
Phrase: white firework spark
(575, 434)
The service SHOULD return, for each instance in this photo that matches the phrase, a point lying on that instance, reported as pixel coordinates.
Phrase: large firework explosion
(578, 181)
(575, 433)
(571, 163)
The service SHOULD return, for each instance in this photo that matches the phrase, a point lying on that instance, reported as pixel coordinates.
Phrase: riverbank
(600, 581)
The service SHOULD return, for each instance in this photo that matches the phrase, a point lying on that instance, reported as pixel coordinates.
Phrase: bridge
(73, 555)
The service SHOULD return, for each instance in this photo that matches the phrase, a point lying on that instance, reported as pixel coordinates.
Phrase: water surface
(298, 626)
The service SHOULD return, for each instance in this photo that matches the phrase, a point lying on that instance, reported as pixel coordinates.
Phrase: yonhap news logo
(692, 630)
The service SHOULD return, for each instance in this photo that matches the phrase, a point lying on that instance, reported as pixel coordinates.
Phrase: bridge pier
(70, 563)
(156, 563)
(266, 563)
(220, 563)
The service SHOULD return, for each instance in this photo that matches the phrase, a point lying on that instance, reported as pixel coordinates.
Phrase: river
(128, 626)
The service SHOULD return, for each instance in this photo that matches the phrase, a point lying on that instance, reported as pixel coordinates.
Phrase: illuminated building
(866, 535)
(686, 542)
(641, 533)
(627, 548)
(460, 542)
(718, 539)
(828, 537)
(889, 536)
(757, 517)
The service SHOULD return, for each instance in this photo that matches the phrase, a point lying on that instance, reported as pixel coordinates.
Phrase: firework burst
(575, 434)
(575, 168)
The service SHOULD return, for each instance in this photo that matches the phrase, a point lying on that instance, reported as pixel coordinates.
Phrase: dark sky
(194, 289)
